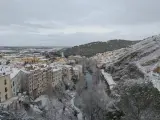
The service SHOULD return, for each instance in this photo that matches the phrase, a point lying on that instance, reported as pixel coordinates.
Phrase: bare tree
(97, 104)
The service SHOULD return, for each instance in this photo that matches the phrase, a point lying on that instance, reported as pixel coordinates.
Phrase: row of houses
(33, 78)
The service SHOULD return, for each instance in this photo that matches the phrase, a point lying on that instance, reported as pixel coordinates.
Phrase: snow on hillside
(136, 72)
(148, 51)
(109, 57)
(138, 61)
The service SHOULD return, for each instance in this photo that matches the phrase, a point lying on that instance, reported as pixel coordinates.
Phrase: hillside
(93, 48)
(143, 56)
(136, 72)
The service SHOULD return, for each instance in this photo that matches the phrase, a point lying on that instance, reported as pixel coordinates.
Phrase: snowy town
(32, 75)
(37, 84)
(79, 60)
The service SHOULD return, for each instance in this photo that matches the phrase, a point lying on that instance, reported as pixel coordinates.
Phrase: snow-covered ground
(80, 116)
(155, 78)
(44, 101)
(8, 102)
(145, 55)
(56, 106)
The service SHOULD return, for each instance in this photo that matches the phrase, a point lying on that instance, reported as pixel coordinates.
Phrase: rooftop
(14, 72)
(56, 69)
(5, 70)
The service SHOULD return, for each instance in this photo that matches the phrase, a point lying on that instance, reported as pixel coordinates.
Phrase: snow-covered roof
(5, 70)
(76, 56)
(79, 66)
(75, 68)
(9, 101)
(56, 69)
(14, 72)
(25, 71)
(32, 67)
(68, 66)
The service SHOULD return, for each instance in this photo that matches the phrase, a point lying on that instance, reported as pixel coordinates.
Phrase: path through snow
(80, 116)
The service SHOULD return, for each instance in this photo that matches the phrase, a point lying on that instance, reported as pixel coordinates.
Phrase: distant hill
(93, 48)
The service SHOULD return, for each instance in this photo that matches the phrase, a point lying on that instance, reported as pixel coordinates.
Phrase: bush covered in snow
(140, 101)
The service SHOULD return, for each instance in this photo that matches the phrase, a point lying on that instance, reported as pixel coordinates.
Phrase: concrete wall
(16, 84)
(24, 81)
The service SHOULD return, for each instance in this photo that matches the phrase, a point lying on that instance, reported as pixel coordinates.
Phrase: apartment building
(5, 83)
(66, 70)
(15, 81)
(56, 76)
(36, 79)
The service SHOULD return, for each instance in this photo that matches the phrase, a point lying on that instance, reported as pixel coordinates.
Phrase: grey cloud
(70, 11)
(124, 12)
(22, 20)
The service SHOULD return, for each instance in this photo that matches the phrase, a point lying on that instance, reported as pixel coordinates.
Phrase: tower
(62, 54)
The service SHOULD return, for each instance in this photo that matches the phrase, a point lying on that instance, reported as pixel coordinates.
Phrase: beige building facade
(56, 76)
(37, 80)
(5, 88)
(66, 70)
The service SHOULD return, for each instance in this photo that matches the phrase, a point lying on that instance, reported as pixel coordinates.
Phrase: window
(13, 83)
(6, 96)
(5, 82)
(6, 89)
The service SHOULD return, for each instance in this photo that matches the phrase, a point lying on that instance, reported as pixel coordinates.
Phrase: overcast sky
(73, 22)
